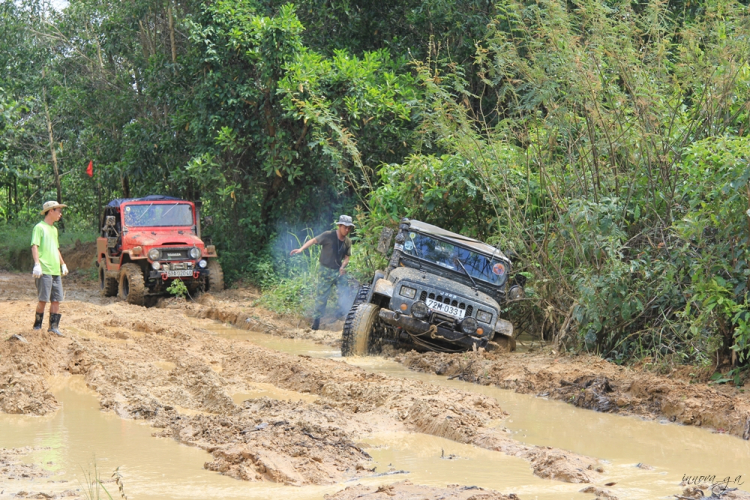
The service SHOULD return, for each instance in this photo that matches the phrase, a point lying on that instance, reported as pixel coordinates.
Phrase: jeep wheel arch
(382, 291)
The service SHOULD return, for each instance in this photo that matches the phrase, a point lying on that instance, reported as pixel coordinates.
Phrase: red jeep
(146, 243)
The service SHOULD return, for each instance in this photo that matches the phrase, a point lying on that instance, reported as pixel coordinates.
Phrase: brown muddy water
(79, 438)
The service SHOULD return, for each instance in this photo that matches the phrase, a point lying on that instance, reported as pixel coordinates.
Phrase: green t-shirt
(45, 237)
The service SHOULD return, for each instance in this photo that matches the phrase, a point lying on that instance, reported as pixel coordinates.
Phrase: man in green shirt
(334, 257)
(48, 266)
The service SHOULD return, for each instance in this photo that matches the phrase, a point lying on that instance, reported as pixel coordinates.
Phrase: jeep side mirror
(384, 243)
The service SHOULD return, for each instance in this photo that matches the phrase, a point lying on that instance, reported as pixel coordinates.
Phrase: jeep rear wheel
(358, 330)
(215, 276)
(108, 286)
(132, 288)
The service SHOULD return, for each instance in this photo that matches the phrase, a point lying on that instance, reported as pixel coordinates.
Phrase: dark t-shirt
(334, 250)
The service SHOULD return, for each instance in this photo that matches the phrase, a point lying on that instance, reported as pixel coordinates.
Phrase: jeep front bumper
(418, 327)
(184, 274)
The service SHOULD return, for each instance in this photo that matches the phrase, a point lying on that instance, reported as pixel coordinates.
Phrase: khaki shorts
(49, 288)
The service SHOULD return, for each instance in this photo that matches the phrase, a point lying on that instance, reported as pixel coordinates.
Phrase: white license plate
(179, 274)
(445, 308)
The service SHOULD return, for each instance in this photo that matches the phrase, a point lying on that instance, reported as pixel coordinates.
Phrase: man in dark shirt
(334, 257)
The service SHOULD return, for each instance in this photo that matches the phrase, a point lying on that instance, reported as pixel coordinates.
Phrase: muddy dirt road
(310, 425)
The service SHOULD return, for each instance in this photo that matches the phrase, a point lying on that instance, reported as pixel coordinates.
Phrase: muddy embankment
(584, 381)
(151, 364)
(78, 257)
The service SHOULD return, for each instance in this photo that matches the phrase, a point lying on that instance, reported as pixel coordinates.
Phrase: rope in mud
(416, 338)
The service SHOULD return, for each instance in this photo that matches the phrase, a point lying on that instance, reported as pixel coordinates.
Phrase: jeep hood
(420, 277)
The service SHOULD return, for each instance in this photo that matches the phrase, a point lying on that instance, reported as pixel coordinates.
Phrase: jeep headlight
(154, 254)
(156, 266)
(420, 310)
(202, 263)
(484, 316)
(195, 252)
(408, 292)
(516, 292)
(469, 326)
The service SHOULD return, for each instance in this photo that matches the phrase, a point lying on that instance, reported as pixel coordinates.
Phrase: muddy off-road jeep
(440, 292)
(147, 243)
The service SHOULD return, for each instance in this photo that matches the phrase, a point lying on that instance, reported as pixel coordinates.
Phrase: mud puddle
(645, 459)
(80, 440)
(291, 346)
(435, 461)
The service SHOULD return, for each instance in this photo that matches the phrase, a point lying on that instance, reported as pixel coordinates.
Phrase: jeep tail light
(137, 251)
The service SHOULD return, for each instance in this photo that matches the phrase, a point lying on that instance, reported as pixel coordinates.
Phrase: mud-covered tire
(215, 281)
(501, 343)
(108, 286)
(358, 330)
(132, 287)
(362, 294)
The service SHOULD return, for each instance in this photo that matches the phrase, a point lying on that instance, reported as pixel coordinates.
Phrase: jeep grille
(174, 253)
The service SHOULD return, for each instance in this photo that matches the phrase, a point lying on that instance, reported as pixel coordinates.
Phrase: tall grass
(94, 489)
(294, 293)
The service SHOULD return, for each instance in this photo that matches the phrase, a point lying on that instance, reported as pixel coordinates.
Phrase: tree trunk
(125, 186)
(52, 146)
(171, 34)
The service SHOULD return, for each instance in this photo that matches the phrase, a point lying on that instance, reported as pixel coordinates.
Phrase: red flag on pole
(90, 168)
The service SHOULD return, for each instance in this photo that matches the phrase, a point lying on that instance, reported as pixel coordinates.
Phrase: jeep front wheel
(358, 330)
(132, 288)
(108, 286)
(215, 276)
(501, 343)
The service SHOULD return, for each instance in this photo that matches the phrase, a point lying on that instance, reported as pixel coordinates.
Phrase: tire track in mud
(420, 407)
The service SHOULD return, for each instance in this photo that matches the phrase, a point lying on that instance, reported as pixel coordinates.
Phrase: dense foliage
(603, 144)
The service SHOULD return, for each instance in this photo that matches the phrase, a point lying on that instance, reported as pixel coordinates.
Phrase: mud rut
(153, 364)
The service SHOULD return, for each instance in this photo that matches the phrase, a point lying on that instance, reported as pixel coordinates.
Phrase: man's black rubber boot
(38, 321)
(54, 324)
(316, 324)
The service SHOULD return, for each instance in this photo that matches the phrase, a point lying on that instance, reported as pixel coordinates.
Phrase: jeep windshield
(159, 215)
(455, 258)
